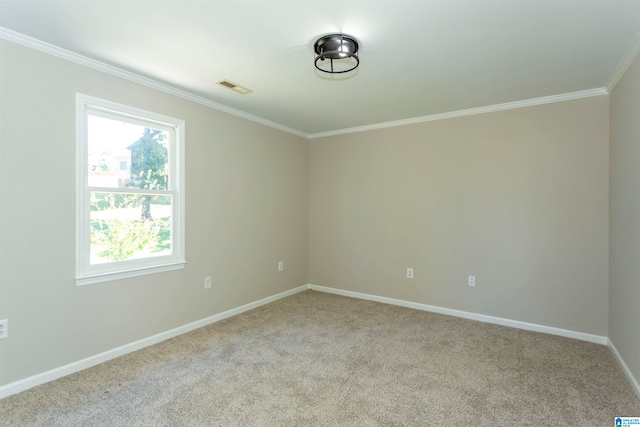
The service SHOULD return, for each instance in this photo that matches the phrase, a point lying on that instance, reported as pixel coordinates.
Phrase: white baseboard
(598, 339)
(27, 383)
(44, 377)
(466, 315)
(634, 382)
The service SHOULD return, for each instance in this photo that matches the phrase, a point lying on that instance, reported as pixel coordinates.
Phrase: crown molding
(163, 87)
(41, 46)
(469, 112)
(625, 63)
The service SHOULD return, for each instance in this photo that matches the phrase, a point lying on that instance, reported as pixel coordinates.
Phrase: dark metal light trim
(336, 47)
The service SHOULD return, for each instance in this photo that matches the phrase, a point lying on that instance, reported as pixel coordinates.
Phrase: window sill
(116, 275)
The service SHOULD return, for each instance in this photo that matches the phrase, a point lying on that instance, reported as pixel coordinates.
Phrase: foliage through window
(130, 191)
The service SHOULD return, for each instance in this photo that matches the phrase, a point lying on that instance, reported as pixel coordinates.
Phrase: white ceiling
(417, 59)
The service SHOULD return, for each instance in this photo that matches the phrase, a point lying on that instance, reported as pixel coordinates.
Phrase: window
(130, 195)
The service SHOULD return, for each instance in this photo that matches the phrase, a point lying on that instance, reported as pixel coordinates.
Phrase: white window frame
(87, 273)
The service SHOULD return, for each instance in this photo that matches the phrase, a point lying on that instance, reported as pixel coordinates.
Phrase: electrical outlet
(472, 281)
(280, 265)
(4, 328)
(207, 282)
(409, 273)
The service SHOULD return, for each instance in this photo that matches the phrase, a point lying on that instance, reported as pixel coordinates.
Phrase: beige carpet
(321, 359)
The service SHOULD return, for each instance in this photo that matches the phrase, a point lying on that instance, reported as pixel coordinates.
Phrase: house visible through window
(130, 192)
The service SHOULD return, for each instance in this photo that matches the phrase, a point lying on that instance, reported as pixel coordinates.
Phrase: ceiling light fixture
(341, 51)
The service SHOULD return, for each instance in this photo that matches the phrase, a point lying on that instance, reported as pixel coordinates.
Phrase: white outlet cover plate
(4, 328)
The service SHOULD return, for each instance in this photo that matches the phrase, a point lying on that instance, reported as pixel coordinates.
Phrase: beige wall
(517, 198)
(624, 279)
(246, 201)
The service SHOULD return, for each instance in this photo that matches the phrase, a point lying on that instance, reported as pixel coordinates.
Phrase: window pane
(126, 155)
(129, 226)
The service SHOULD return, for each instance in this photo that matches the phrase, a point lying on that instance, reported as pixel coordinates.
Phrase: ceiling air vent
(235, 87)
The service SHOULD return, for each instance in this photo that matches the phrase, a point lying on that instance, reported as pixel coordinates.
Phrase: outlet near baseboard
(4, 328)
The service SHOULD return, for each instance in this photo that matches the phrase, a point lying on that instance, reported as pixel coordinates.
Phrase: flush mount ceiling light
(336, 53)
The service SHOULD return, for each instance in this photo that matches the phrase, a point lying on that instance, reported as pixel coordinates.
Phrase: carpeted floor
(322, 359)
